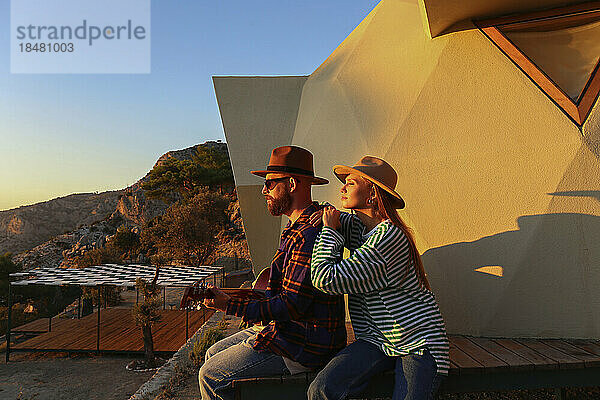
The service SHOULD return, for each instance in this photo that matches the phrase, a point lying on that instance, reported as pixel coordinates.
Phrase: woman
(396, 320)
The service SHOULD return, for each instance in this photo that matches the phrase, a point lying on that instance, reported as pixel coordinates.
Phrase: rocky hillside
(133, 205)
(231, 248)
(26, 227)
(55, 232)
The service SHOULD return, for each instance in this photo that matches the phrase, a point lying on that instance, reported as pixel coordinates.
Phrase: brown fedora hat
(292, 160)
(375, 170)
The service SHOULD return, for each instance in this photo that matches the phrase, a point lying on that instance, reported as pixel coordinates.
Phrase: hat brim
(342, 171)
(315, 180)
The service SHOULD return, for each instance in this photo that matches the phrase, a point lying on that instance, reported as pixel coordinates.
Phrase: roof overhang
(447, 16)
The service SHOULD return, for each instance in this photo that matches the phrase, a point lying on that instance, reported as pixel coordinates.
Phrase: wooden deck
(483, 364)
(477, 364)
(118, 332)
(481, 355)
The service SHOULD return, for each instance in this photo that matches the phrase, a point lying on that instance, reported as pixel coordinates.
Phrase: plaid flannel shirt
(302, 323)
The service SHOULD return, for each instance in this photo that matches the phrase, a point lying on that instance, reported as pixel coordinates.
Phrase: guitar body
(197, 293)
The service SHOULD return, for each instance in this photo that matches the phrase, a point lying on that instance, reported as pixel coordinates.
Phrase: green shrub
(125, 241)
(105, 255)
(111, 293)
(186, 231)
(17, 317)
(7, 266)
(47, 300)
(209, 337)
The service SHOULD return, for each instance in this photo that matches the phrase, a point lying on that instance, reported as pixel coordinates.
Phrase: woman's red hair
(387, 211)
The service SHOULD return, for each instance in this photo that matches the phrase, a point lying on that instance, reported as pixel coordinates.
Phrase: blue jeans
(234, 358)
(350, 371)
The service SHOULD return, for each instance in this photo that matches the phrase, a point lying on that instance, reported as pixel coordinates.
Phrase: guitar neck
(196, 293)
(244, 293)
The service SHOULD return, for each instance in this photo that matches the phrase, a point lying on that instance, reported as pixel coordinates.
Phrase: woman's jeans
(350, 371)
(234, 358)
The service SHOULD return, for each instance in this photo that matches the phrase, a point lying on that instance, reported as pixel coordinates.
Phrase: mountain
(52, 233)
(26, 227)
(133, 205)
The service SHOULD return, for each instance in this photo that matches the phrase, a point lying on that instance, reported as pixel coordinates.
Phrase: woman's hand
(316, 218)
(331, 217)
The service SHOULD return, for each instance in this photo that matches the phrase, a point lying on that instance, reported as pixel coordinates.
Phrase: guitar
(198, 291)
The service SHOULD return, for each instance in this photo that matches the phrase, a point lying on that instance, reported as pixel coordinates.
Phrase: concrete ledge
(179, 361)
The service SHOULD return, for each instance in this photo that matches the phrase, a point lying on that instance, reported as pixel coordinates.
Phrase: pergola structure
(101, 276)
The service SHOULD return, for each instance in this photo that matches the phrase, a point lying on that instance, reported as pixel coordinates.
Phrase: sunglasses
(270, 183)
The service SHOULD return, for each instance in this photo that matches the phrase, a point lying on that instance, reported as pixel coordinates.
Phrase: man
(304, 327)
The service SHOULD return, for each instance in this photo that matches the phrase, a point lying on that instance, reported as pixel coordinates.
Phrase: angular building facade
(493, 125)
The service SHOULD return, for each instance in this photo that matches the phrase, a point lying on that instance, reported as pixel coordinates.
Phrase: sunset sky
(75, 133)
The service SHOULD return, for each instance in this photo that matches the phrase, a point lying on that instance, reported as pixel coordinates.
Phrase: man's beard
(279, 206)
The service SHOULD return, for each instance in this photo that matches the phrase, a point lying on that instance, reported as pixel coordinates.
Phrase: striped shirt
(387, 305)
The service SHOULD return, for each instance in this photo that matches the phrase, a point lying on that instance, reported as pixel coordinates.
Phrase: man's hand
(220, 300)
(331, 217)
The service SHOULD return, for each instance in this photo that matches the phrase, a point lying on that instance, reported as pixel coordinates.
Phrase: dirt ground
(189, 389)
(48, 377)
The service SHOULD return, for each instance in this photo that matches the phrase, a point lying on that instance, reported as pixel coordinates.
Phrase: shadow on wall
(594, 194)
(538, 281)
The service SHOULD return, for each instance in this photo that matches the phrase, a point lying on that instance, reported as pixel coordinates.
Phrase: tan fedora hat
(374, 170)
(292, 160)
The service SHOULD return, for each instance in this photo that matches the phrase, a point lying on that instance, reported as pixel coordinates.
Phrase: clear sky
(75, 133)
